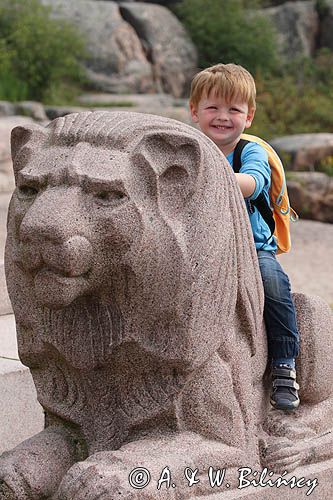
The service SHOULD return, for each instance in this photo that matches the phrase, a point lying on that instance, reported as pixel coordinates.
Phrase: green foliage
(38, 55)
(225, 31)
(10, 87)
(299, 99)
(325, 165)
(109, 104)
(322, 8)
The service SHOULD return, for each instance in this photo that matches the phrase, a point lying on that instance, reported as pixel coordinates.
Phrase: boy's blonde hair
(227, 81)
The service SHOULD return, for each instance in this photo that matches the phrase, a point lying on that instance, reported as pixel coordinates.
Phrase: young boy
(222, 103)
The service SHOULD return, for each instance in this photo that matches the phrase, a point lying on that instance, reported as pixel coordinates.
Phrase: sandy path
(310, 262)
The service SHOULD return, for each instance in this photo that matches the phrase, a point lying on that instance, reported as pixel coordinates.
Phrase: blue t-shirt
(254, 160)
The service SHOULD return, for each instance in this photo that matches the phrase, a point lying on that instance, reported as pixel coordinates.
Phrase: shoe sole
(287, 406)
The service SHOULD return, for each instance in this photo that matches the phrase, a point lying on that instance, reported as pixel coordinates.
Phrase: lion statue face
(74, 219)
(125, 223)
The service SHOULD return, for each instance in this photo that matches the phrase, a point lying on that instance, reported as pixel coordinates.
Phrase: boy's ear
(194, 113)
(250, 116)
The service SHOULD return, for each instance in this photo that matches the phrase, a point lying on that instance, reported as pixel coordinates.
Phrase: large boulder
(303, 151)
(116, 62)
(7, 108)
(311, 195)
(135, 48)
(297, 26)
(167, 44)
(23, 108)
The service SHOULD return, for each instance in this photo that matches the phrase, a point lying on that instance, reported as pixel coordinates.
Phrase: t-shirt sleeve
(255, 163)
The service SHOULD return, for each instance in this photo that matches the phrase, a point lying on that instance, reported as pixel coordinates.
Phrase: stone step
(21, 416)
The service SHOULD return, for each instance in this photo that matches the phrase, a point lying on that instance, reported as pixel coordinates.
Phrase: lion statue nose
(71, 258)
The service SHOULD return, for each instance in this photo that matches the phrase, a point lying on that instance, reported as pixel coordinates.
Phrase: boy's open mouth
(222, 127)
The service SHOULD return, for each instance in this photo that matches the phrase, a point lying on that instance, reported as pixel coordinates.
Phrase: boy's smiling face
(223, 122)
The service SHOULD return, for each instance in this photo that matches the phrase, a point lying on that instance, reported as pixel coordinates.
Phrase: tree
(225, 31)
(37, 54)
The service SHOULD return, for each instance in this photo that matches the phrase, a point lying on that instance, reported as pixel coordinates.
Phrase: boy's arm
(246, 183)
(255, 172)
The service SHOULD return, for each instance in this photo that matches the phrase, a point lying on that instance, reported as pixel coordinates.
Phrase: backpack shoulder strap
(265, 211)
(236, 162)
(260, 203)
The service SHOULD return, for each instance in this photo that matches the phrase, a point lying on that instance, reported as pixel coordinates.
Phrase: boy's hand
(246, 183)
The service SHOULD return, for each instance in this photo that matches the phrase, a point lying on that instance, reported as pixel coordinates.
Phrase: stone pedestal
(20, 414)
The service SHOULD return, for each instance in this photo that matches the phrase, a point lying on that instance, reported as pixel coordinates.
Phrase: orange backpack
(280, 213)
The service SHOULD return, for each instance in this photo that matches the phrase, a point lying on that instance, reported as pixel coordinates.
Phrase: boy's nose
(222, 115)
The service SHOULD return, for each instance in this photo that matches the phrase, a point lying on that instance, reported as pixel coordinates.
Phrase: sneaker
(284, 394)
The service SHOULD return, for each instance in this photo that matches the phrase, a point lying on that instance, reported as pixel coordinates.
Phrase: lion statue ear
(23, 134)
(174, 160)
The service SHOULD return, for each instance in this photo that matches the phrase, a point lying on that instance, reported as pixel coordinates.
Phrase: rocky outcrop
(297, 26)
(310, 192)
(311, 195)
(166, 44)
(116, 62)
(147, 51)
(303, 151)
(32, 109)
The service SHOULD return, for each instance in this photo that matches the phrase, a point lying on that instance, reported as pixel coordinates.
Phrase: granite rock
(33, 109)
(311, 195)
(134, 47)
(297, 26)
(303, 151)
(167, 45)
(116, 62)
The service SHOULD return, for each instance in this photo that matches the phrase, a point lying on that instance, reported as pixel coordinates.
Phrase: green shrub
(298, 99)
(38, 55)
(10, 87)
(325, 165)
(225, 31)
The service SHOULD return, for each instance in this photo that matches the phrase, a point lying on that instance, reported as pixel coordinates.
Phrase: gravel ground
(310, 261)
(309, 264)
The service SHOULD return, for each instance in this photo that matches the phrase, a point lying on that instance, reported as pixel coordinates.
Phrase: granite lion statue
(138, 311)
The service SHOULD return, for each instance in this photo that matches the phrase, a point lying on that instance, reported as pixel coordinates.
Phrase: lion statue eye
(27, 192)
(109, 197)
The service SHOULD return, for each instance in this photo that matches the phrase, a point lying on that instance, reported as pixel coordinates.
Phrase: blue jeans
(279, 310)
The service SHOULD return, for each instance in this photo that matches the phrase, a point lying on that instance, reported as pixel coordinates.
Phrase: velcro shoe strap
(282, 382)
(284, 372)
